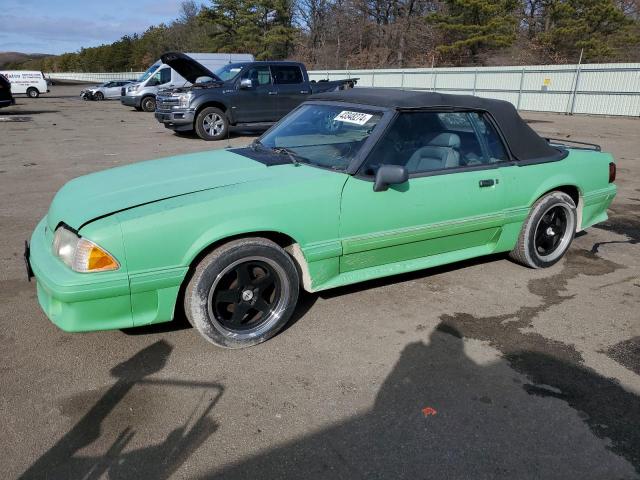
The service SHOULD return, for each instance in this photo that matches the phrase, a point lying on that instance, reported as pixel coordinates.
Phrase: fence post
(575, 87)
(373, 78)
(435, 80)
(402, 81)
(475, 81)
(520, 88)
(575, 84)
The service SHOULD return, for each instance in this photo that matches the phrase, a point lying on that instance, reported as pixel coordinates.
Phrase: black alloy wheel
(550, 231)
(245, 295)
(242, 293)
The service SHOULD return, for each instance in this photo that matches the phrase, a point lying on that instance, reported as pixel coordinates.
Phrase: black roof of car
(524, 143)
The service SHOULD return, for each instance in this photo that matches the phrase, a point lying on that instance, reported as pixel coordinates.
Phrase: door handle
(304, 91)
(273, 93)
(490, 182)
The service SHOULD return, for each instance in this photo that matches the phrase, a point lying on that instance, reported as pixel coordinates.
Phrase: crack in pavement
(556, 369)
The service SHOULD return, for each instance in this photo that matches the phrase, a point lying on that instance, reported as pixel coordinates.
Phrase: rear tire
(33, 92)
(242, 293)
(547, 232)
(148, 104)
(212, 124)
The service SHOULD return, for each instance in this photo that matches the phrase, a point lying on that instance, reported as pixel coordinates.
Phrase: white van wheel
(149, 104)
(33, 92)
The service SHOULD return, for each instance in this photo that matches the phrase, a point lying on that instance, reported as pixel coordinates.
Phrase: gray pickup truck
(238, 94)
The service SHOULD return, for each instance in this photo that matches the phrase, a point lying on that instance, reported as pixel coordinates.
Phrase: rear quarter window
(286, 74)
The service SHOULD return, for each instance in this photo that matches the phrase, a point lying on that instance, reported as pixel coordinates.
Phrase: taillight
(612, 172)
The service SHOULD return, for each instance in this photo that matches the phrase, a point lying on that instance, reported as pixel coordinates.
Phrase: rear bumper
(131, 101)
(78, 302)
(176, 120)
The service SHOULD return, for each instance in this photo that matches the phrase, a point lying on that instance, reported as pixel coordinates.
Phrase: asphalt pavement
(482, 369)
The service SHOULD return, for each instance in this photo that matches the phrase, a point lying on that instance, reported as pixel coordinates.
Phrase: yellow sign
(547, 82)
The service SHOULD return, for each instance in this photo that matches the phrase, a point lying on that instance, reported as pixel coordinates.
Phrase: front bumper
(131, 100)
(176, 119)
(77, 302)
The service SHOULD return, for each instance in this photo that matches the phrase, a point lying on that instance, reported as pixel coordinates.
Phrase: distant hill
(15, 58)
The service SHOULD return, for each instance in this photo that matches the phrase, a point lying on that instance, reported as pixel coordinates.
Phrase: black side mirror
(390, 175)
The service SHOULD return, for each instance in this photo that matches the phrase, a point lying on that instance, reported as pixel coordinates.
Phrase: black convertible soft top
(524, 143)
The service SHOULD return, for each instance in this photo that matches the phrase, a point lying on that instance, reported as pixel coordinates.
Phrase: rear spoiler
(574, 144)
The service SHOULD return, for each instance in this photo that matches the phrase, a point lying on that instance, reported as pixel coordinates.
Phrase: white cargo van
(142, 94)
(30, 83)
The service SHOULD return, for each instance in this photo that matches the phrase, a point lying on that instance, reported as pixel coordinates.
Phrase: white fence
(93, 77)
(609, 89)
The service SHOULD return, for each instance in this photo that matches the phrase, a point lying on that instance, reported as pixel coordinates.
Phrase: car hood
(103, 193)
(187, 67)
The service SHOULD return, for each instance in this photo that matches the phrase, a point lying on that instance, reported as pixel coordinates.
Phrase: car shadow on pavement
(440, 414)
(121, 461)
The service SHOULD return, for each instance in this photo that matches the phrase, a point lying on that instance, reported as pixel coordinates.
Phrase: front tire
(242, 293)
(212, 124)
(99, 96)
(33, 92)
(148, 104)
(547, 232)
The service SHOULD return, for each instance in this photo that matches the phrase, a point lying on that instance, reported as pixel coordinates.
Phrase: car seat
(441, 152)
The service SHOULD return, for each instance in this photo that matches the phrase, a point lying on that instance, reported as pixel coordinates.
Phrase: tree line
(338, 34)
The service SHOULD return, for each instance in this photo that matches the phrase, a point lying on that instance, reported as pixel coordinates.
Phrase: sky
(59, 26)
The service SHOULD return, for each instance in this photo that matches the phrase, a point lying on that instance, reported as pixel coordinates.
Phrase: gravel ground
(483, 369)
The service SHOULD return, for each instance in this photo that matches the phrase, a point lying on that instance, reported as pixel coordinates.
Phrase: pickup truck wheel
(138, 109)
(212, 124)
(148, 104)
(98, 96)
(547, 232)
(33, 92)
(242, 293)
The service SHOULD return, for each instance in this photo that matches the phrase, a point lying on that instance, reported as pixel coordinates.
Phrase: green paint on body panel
(157, 217)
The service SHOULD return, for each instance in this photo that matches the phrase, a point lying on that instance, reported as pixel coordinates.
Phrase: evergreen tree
(598, 26)
(261, 27)
(472, 27)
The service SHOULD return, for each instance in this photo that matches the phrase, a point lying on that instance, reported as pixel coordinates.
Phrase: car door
(291, 87)
(257, 101)
(112, 90)
(451, 206)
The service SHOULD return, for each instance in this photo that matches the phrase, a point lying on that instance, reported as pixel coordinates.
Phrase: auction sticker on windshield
(358, 118)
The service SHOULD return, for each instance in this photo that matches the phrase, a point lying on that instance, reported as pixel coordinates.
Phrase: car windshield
(149, 72)
(328, 136)
(229, 71)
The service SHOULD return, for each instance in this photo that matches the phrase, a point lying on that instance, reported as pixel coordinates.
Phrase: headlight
(132, 88)
(80, 254)
(184, 99)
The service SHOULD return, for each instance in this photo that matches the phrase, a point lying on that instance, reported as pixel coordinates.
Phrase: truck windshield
(328, 136)
(149, 72)
(229, 71)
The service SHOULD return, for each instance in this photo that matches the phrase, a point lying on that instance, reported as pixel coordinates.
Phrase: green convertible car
(348, 187)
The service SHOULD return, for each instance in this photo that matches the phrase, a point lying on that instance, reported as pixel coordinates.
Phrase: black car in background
(6, 98)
